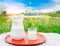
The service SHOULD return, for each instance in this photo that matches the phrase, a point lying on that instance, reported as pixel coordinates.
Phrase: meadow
(43, 24)
(47, 24)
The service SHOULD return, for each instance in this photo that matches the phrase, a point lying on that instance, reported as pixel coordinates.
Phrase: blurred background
(48, 9)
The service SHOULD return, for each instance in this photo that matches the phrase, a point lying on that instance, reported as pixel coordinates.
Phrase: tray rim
(26, 44)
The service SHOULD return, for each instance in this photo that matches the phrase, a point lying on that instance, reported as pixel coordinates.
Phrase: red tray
(25, 42)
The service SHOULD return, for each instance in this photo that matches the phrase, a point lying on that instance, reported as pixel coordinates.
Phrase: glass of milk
(32, 33)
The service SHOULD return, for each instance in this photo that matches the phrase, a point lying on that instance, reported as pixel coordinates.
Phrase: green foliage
(57, 14)
(43, 25)
(5, 24)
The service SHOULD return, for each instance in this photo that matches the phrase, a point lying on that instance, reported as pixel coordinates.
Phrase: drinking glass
(32, 33)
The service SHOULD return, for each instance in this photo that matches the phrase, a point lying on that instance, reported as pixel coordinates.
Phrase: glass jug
(17, 31)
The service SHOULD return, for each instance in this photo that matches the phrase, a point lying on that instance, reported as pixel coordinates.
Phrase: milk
(17, 31)
(32, 33)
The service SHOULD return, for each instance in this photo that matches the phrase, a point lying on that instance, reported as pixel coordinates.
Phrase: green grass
(43, 24)
(57, 14)
(5, 24)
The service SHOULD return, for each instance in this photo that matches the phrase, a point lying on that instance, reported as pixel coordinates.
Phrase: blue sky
(34, 3)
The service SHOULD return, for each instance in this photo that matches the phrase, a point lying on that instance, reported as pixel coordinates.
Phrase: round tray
(25, 42)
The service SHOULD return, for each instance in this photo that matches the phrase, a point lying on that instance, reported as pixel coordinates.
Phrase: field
(50, 23)
(43, 24)
(5, 24)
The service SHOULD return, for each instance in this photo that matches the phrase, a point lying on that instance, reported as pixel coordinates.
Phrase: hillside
(56, 14)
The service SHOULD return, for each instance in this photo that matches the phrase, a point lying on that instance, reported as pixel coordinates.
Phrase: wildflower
(47, 18)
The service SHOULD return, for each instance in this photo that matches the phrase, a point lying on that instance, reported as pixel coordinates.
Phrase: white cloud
(19, 7)
(46, 10)
(16, 8)
(56, 7)
(57, 1)
(53, 9)
(2, 5)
